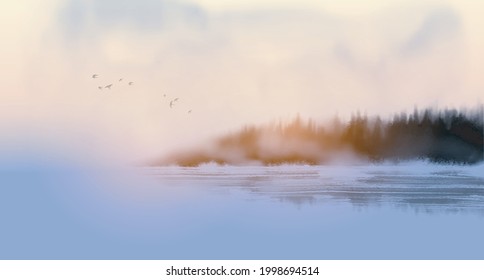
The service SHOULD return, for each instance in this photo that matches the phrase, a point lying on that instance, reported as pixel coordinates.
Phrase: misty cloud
(344, 55)
(143, 16)
(74, 18)
(440, 25)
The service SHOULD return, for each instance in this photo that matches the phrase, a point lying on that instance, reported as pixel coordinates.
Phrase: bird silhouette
(94, 76)
(189, 111)
(173, 102)
(130, 83)
(109, 86)
(120, 79)
(100, 87)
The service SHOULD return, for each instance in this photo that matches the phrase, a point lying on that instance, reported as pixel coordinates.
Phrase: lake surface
(390, 211)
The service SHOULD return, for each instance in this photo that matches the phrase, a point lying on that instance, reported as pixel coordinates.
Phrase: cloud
(440, 25)
(344, 55)
(74, 18)
(77, 16)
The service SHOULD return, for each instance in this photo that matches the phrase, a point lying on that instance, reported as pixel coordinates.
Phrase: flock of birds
(172, 102)
(95, 76)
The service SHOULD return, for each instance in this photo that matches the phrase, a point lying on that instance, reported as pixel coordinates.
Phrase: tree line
(443, 136)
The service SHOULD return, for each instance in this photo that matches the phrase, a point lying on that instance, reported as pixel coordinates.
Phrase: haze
(247, 62)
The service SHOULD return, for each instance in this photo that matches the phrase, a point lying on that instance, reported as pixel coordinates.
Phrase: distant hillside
(444, 136)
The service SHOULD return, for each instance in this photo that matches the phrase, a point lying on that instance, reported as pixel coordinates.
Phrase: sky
(231, 63)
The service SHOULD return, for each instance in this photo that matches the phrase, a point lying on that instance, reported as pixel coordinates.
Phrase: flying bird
(173, 102)
(130, 83)
(100, 87)
(95, 76)
(120, 79)
(189, 111)
(109, 86)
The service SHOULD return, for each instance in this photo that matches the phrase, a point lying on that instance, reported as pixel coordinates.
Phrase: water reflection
(282, 212)
(430, 191)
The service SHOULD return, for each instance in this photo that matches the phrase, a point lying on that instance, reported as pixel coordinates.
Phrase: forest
(446, 136)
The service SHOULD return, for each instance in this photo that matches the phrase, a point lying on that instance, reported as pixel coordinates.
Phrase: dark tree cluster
(440, 136)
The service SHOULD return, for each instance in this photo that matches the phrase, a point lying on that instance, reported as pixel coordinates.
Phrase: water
(405, 211)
